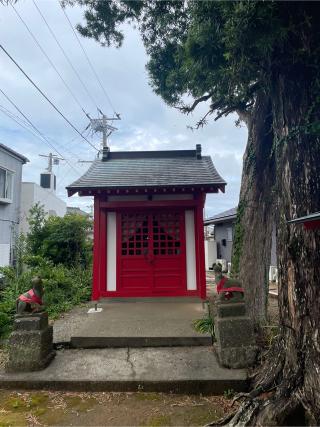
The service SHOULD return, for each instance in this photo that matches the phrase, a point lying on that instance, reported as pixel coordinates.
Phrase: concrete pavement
(180, 370)
(142, 322)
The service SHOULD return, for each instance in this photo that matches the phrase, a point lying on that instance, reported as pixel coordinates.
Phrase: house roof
(308, 218)
(14, 153)
(150, 169)
(225, 216)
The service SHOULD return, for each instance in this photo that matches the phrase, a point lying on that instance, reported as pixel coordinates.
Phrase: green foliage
(238, 240)
(36, 220)
(58, 250)
(222, 51)
(63, 240)
(20, 246)
(64, 288)
(206, 324)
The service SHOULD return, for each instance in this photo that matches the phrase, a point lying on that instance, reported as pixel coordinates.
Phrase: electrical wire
(49, 60)
(27, 127)
(46, 97)
(61, 178)
(65, 54)
(87, 58)
(43, 137)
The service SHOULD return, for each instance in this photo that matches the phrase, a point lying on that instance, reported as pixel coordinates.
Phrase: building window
(229, 234)
(6, 184)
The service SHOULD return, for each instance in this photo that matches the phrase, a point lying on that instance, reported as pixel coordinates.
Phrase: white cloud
(147, 124)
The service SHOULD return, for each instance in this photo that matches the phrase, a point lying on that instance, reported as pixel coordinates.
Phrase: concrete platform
(135, 323)
(179, 370)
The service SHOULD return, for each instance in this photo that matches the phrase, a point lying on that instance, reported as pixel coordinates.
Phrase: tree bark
(253, 229)
(287, 386)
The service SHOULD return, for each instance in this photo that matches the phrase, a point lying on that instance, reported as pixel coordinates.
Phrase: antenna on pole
(102, 125)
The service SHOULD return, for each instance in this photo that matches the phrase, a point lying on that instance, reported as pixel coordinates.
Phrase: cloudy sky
(147, 123)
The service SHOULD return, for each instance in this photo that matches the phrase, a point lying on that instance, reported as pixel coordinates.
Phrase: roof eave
(15, 154)
(308, 218)
(220, 220)
(208, 188)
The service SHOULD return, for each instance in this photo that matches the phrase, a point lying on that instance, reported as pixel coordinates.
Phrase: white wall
(190, 251)
(31, 194)
(111, 251)
(210, 247)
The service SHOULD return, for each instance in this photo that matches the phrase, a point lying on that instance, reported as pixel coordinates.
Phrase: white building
(11, 164)
(43, 194)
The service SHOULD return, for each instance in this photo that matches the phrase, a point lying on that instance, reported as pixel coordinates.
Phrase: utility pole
(102, 125)
(53, 159)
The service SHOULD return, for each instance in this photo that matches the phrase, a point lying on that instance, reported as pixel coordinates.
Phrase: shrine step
(189, 370)
(138, 342)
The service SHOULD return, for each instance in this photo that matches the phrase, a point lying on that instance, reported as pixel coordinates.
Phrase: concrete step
(137, 342)
(132, 324)
(178, 369)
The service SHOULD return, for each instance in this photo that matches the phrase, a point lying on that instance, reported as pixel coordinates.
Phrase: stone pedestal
(30, 344)
(235, 345)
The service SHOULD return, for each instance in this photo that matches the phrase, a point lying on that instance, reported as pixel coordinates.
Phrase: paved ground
(134, 318)
(192, 368)
(178, 369)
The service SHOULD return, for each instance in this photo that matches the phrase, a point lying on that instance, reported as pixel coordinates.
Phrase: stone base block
(236, 357)
(35, 322)
(231, 309)
(30, 344)
(234, 332)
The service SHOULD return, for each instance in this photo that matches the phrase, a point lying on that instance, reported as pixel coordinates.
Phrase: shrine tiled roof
(150, 169)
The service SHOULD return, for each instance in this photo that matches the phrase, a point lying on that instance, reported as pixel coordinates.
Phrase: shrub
(64, 288)
(58, 250)
(63, 240)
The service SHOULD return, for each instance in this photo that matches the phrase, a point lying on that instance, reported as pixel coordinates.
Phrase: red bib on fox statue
(228, 288)
(31, 301)
(30, 297)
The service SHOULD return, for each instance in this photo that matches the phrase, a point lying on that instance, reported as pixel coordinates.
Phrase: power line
(64, 54)
(25, 126)
(34, 127)
(51, 63)
(45, 96)
(87, 58)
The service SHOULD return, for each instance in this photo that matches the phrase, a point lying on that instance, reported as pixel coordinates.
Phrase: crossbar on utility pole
(102, 125)
(52, 159)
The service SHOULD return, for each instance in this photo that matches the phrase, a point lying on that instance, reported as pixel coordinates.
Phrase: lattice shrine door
(151, 253)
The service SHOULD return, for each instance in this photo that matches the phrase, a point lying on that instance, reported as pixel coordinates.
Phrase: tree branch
(186, 109)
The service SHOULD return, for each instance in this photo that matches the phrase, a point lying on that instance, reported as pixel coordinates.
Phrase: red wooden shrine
(148, 222)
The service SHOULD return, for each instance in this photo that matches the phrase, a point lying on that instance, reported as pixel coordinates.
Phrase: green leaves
(229, 49)
(64, 287)
(61, 240)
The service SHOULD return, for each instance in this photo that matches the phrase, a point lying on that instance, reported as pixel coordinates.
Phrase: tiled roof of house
(13, 153)
(228, 215)
(148, 169)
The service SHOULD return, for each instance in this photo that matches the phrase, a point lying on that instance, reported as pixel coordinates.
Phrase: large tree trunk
(253, 230)
(287, 386)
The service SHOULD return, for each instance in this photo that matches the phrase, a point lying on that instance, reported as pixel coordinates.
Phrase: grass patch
(159, 420)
